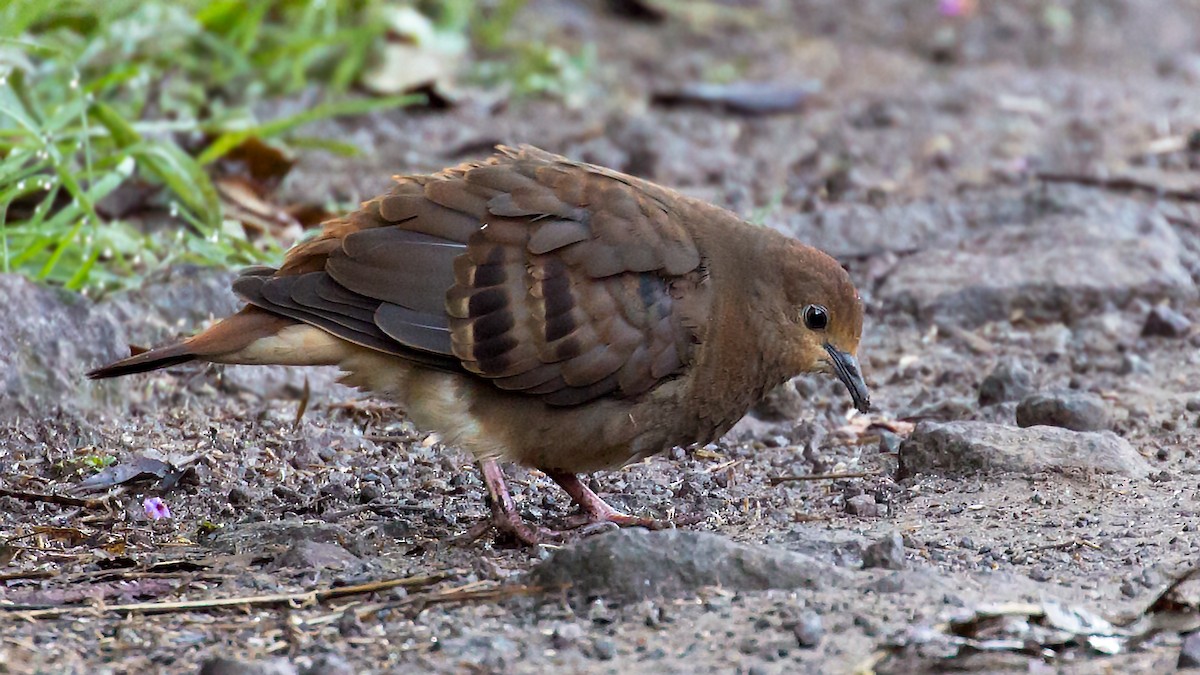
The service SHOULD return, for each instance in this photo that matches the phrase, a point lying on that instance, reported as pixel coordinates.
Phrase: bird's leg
(596, 510)
(504, 510)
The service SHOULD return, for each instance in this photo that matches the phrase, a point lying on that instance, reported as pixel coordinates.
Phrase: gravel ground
(1029, 344)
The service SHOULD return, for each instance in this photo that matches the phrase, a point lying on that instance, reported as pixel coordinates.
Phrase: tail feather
(229, 336)
(154, 359)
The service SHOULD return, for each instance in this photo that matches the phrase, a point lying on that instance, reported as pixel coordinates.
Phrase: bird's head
(824, 319)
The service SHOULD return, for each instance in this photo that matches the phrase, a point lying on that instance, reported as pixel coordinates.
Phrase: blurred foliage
(96, 97)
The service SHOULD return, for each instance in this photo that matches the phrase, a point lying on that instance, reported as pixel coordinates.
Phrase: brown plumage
(546, 312)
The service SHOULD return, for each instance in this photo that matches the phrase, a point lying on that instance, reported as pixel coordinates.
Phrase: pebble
(886, 552)
(1010, 381)
(604, 649)
(863, 506)
(1077, 411)
(808, 630)
(1189, 651)
(1166, 322)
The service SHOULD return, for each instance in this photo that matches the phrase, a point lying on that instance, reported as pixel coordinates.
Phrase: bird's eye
(816, 317)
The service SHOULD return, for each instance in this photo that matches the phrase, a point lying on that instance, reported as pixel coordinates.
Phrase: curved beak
(845, 366)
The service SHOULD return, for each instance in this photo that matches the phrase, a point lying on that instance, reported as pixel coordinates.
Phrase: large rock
(636, 564)
(1062, 269)
(958, 448)
(48, 338)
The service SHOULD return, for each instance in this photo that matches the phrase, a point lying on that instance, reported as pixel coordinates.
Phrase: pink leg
(504, 511)
(596, 510)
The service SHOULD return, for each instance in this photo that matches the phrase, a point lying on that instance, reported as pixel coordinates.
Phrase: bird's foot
(505, 519)
(596, 515)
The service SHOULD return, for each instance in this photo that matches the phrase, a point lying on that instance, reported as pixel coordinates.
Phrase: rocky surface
(987, 289)
(637, 564)
(960, 448)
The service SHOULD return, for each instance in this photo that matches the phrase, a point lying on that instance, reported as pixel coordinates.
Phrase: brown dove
(547, 312)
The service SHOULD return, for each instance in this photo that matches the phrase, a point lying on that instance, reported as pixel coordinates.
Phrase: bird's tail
(251, 336)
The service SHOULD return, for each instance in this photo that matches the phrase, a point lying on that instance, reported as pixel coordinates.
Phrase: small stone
(1010, 381)
(1040, 574)
(328, 664)
(863, 506)
(1193, 405)
(566, 635)
(1132, 364)
(1189, 651)
(889, 443)
(886, 552)
(1166, 322)
(310, 555)
(604, 649)
(223, 666)
(349, 625)
(1077, 411)
(808, 630)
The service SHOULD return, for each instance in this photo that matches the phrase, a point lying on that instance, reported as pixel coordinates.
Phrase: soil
(916, 162)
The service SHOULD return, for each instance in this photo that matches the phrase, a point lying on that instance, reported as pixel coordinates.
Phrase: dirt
(916, 163)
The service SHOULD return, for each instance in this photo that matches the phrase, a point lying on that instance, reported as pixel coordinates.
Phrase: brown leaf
(243, 203)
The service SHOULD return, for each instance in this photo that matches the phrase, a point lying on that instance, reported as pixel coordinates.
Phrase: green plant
(97, 98)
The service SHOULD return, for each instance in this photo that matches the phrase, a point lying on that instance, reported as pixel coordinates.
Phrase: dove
(546, 312)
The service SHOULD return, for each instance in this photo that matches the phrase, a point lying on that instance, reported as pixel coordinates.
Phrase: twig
(1122, 184)
(30, 574)
(776, 480)
(87, 503)
(723, 465)
(293, 599)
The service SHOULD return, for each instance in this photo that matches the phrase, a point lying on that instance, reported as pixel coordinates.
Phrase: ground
(939, 158)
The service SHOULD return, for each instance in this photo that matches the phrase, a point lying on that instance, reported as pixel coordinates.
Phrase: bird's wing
(545, 276)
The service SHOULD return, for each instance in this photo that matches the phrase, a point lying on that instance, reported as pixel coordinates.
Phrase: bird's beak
(845, 366)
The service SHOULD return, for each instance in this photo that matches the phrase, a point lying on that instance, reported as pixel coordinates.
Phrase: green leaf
(123, 133)
(360, 106)
(183, 175)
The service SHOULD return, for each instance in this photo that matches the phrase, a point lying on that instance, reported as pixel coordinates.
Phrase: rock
(566, 635)
(1061, 269)
(51, 337)
(604, 649)
(314, 555)
(222, 666)
(636, 564)
(808, 630)
(863, 506)
(256, 536)
(492, 652)
(328, 664)
(1009, 381)
(1166, 322)
(48, 340)
(887, 552)
(958, 448)
(1189, 651)
(1078, 411)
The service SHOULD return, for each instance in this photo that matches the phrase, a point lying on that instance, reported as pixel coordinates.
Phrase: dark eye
(816, 317)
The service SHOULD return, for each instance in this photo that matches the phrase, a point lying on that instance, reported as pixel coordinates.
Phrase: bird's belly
(491, 423)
